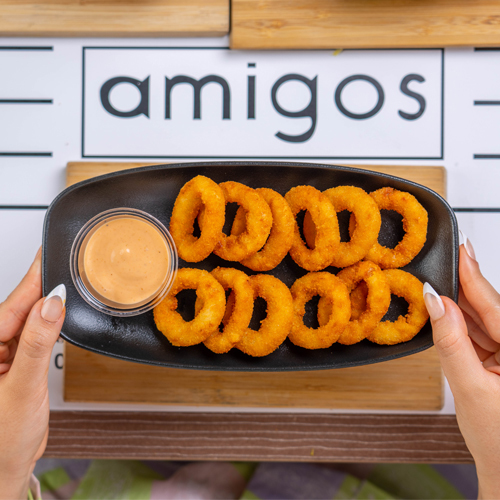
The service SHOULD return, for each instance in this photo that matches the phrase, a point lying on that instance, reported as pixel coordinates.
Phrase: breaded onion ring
(367, 216)
(409, 287)
(377, 301)
(238, 314)
(275, 327)
(171, 323)
(281, 236)
(197, 194)
(324, 218)
(335, 295)
(258, 222)
(414, 224)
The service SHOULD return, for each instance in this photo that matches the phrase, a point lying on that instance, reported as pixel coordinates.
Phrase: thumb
(40, 333)
(457, 355)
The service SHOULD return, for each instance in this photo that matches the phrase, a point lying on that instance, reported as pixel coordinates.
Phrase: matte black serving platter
(154, 190)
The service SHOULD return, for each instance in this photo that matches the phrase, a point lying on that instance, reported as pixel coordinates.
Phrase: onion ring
(415, 220)
(171, 323)
(324, 217)
(258, 222)
(335, 295)
(275, 328)
(238, 311)
(377, 301)
(197, 194)
(367, 216)
(281, 236)
(409, 287)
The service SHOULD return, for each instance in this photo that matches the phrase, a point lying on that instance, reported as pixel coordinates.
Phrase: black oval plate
(154, 190)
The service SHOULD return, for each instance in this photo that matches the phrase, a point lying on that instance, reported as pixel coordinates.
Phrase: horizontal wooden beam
(257, 437)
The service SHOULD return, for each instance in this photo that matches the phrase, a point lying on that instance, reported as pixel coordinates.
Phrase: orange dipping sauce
(126, 260)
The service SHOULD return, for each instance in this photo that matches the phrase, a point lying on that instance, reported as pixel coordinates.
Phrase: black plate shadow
(154, 189)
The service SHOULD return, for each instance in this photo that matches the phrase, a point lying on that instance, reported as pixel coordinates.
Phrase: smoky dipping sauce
(123, 262)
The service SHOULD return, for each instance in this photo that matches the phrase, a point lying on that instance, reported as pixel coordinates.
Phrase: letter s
(404, 88)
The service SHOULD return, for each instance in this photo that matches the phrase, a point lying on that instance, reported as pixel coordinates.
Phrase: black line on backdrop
(442, 104)
(477, 209)
(263, 157)
(486, 49)
(24, 153)
(487, 157)
(25, 101)
(486, 103)
(25, 47)
(24, 207)
(83, 101)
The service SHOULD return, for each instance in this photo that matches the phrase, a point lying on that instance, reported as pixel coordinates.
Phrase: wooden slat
(118, 18)
(331, 24)
(432, 177)
(91, 377)
(257, 437)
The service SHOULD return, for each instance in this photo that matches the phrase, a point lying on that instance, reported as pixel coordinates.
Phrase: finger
(31, 364)
(491, 364)
(478, 291)
(482, 354)
(4, 352)
(478, 335)
(4, 368)
(15, 309)
(456, 352)
(463, 303)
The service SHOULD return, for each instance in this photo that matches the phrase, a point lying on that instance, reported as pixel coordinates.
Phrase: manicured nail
(433, 302)
(467, 245)
(53, 304)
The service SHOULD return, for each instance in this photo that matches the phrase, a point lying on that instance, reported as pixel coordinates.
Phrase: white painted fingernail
(60, 291)
(53, 305)
(467, 245)
(433, 302)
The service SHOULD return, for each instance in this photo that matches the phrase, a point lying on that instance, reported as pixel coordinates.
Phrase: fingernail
(467, 245)
(433, 302)
(53, 304)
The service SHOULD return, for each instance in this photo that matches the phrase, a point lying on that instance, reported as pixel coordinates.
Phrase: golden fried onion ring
(378, 300)
(238, 314)
(171, 323)
(414, 224)
(258, 222)
(409, 287)
(275, 327)
(197, 194)
(365, 212)
(335, 295)
(281, 236)
(324, 217)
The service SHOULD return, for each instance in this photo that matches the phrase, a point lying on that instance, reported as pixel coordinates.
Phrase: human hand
(29, 328)
(467, 339)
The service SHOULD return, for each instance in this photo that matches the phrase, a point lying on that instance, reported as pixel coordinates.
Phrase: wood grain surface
(342, 24)
(257, 437)
(411, 383)
(119, 18)
(430, 176)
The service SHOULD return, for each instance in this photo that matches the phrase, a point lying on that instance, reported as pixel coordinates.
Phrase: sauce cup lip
(89, 295)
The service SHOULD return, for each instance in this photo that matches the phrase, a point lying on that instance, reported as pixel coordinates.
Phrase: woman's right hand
(467, 339)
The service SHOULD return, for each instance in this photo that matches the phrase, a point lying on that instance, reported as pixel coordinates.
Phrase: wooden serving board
(411, 383)
(342, 24)
(114, 18)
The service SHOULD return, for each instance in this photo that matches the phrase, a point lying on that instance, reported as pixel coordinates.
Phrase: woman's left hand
(29, 328)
